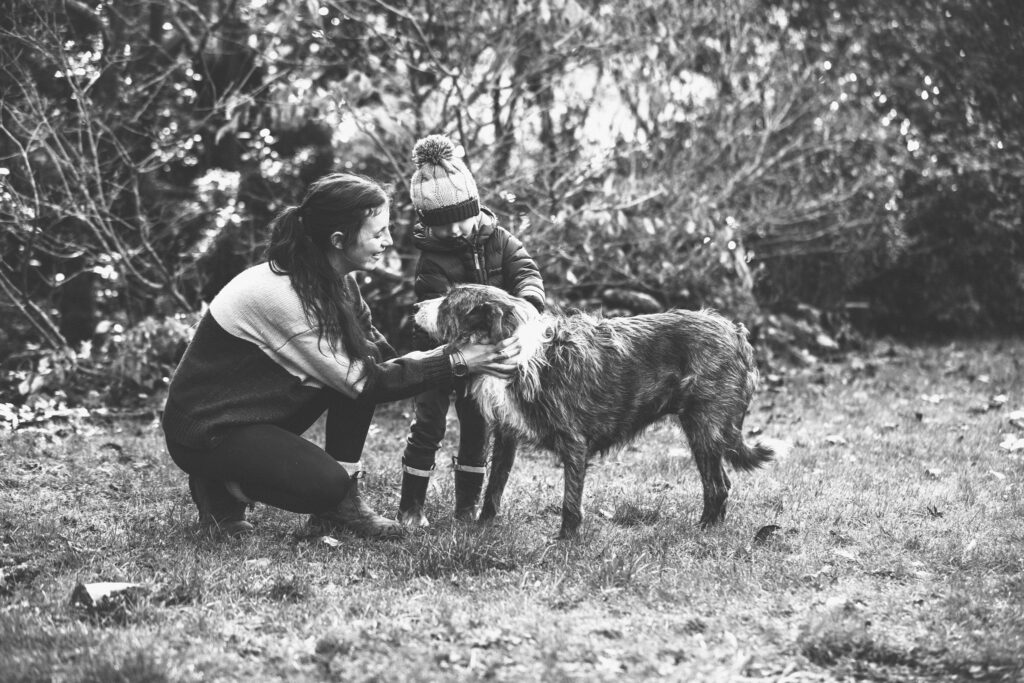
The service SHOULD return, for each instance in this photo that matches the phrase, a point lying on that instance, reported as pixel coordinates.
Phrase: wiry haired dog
(586, 385)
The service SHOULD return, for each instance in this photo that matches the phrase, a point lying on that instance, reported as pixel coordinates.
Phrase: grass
(888, 545)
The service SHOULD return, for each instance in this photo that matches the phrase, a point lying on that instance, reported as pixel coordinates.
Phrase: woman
(284, 342)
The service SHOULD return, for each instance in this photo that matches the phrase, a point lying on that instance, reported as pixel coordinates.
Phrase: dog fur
(586, 385)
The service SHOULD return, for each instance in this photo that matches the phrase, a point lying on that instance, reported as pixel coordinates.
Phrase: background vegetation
(819, 169)
(810, 159)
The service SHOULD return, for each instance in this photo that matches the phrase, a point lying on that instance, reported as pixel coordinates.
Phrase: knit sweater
(256, 359)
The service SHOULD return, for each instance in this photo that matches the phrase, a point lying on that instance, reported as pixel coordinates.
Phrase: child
(459, 242)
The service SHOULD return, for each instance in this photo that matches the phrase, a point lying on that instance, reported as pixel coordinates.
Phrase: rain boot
(414, 494)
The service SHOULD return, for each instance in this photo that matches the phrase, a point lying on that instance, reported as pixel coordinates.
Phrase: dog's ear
(490, 319)
(497, 319)
(503, 321)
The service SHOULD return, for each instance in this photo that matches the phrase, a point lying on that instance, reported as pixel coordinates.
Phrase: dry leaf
(1012, 443)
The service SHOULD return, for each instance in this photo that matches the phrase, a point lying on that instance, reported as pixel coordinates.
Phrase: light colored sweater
(256, 359)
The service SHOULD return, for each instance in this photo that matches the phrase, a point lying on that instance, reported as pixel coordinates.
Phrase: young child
(459, 242)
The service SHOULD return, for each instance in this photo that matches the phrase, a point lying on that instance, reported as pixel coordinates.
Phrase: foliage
(945, 75)
(746, 155)
(148, 353)
(964, 266)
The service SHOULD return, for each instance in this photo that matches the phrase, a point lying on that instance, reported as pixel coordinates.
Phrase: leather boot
(468, 483)
(353, 514)
(414, 494)
(220, 513)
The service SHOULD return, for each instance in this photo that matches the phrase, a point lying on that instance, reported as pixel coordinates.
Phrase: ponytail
(287, 245)
(299, 244)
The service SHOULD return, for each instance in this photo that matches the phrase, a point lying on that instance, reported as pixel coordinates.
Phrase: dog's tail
(746, 457)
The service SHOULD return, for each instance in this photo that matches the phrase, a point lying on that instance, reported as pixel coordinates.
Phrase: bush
(963, 271)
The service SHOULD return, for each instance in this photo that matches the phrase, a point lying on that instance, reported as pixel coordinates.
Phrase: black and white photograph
(521, 340)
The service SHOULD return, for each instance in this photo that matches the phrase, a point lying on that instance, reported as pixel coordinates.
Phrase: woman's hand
(496, 360)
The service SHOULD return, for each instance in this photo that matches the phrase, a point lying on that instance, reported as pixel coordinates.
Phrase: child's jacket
(493, 256)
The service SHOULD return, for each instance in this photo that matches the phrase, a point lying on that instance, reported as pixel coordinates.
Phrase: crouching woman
(286, 341)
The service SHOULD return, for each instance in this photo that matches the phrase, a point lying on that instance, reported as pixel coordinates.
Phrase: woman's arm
(401, 377)
(390, 381)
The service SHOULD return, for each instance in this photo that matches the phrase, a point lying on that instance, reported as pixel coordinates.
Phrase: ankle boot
(219, 511)
(353, 514)
(414, 494)
(468, 482)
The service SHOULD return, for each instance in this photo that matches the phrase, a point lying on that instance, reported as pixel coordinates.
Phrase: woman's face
(373, 240)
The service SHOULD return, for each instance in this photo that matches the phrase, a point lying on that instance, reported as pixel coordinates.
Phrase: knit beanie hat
(442, 188)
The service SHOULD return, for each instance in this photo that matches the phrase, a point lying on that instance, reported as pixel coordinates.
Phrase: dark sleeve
(431, 282)
(405, 377)
(431, 279)
(521, 272)
(387, 351)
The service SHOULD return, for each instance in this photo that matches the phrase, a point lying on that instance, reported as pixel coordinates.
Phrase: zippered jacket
(493, 256)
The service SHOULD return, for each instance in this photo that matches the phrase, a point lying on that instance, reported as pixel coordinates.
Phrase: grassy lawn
(887, 545)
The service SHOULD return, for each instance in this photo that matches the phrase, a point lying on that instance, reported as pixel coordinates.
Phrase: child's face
(463, 228)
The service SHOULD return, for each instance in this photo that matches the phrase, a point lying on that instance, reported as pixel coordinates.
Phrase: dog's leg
(574, 466)
(707, 448)
(501, 464)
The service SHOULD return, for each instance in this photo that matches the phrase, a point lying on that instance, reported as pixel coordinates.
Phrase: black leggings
(274, 464)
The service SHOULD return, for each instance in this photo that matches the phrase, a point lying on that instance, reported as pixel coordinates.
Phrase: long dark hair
(300, 239)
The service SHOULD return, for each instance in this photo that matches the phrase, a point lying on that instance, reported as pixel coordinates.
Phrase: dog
(585, 385)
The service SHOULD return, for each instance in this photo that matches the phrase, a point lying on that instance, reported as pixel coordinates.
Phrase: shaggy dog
(586, 385)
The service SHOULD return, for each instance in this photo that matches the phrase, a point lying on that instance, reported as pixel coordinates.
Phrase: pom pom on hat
(433, 149)
(442, 188)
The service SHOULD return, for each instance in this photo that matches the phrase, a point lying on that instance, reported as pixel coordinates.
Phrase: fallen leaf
(845, 554)
(766, 533)
(836, 601)
(826, 342)
(258, 562)
(107, 602)
(1012, 443)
